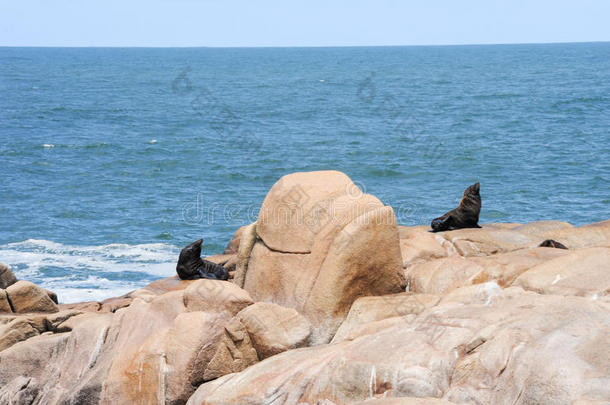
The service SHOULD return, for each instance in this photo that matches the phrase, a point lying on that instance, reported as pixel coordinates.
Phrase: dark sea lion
(552, 244)
(466, 215)
(191, 266)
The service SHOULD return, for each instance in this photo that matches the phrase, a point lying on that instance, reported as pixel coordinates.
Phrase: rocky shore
(331, 302)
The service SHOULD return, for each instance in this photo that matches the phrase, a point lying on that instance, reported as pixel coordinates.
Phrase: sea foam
(84, 273)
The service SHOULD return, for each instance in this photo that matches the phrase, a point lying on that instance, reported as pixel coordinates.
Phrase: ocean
(112, 159)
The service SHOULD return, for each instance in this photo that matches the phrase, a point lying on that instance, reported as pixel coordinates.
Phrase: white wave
(152, 258)
(48, 145)
(91, 289)
(78, 273)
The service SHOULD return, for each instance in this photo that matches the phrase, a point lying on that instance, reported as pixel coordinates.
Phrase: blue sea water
(112, 159)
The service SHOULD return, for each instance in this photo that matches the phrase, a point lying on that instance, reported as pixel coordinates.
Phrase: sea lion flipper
(209, 276)
(212, 269)
(442, 223)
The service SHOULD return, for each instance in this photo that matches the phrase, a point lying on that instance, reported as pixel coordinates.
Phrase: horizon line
(302, 46)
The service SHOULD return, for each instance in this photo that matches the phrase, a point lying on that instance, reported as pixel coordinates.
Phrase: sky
(248, 23)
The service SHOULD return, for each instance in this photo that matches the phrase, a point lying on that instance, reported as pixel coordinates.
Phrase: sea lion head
(190, 259)
(466, 215)
(471, 200)
(473, 190)
(471, 196)
(552, 244)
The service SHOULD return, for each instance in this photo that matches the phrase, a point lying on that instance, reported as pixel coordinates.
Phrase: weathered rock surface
(322, 244)
(15, 328)
(5, 306)
(501, 349)
(59, 368)
(584, 272)
(404, 401)
(441, 276)
(234, 353)
(367, 311)
(296, 206)
(274, 329)
(590, 235)
(258, 331)
(418, 245)
(208, 295)
(176, 331)
(28, 297)
(160, 287)
(156, 350)
(16, 331)
(7, 277)
(487, 241)
(244, 251)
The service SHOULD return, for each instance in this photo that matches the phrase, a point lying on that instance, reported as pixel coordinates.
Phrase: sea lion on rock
(191, 266)
(552, 244)
(466, 215)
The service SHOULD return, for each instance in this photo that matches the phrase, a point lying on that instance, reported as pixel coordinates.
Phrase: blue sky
(299, 23)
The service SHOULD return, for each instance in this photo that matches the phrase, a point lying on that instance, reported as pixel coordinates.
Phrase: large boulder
(7, 278)
(321, 244)
(298, 205)
(28, 297)
(506, 347)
